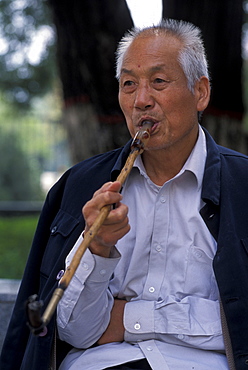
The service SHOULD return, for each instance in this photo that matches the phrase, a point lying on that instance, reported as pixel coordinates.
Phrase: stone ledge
(8, 292)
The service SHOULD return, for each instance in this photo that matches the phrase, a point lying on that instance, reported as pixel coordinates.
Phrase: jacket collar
(211, 178)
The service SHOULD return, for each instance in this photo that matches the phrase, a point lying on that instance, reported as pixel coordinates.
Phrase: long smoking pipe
(38, 323)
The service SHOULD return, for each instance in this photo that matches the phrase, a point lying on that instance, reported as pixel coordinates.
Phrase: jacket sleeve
(16, 340)
(58, 229)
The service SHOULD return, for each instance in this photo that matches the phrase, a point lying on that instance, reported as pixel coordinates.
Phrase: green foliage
(19, 173)
(26, 144)
(16, 234)
(18, 180)
(25, 71)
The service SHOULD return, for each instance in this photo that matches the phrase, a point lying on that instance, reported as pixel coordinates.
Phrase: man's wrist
(98, 249)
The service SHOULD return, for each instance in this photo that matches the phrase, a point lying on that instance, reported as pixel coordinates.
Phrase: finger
(117, 214)
(103, 199)
(115, 186)
(107, 194)
(102, 189)
(109, 186)
(109, 234)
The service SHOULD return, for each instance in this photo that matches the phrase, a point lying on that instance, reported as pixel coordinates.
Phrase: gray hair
(192, 57)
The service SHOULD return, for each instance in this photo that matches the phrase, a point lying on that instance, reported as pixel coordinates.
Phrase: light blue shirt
(163, 268)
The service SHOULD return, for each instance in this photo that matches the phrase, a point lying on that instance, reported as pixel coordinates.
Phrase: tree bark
(221, 24)
(87, 35)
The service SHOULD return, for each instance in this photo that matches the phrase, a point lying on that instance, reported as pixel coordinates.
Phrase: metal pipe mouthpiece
(142, 136)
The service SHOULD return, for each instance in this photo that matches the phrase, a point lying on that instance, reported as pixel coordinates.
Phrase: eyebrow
(126, 71)
(152, 69)
(158, 68)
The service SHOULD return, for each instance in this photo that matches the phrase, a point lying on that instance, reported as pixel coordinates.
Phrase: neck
(162, 165)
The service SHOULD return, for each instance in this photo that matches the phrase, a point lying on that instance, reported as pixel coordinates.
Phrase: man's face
(153, 87)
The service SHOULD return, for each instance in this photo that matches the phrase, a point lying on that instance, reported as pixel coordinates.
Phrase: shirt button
(198, 254)
(85, 266)
(162, 200)
(151, 289)
(137, 326)
(158, 248)
(102, 272)
(180, 336)
(149, 348)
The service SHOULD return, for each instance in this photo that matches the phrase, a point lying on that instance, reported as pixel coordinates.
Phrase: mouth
(148, 123)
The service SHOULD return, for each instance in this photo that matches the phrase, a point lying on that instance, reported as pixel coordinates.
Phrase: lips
(149, 121)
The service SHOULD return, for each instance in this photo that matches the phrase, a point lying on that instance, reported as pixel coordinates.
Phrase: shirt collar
(194, 164)
(197, 158)
(211, 177)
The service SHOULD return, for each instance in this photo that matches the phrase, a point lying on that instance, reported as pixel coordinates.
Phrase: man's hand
(115, 330)
(116, 224)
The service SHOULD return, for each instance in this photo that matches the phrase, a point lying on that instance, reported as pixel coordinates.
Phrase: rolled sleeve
(74, 289)
(173, 321)
(103, 269)
(87, 302)
(139, 320)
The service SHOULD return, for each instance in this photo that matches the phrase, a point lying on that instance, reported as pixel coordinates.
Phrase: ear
(202, 93)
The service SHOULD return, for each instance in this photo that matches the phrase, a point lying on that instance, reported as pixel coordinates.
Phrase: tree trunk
(87, 136)
(221, 24)
(87, 35)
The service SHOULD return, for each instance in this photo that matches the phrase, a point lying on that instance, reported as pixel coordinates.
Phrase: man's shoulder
(227, 155)
(233, 158)
(227, 152)
(99, 160)
(234, 169)
(91, 173)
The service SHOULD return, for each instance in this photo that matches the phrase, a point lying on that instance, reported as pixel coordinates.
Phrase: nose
(143, 98)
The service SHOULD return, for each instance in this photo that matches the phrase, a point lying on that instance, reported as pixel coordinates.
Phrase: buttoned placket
(157, 258)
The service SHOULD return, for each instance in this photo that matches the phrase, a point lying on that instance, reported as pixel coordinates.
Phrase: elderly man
(149, 291)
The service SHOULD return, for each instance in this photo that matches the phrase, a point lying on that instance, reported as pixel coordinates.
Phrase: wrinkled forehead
(150, 46)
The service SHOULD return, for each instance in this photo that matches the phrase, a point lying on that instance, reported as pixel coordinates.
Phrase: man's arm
(87, 303)
(115, 330)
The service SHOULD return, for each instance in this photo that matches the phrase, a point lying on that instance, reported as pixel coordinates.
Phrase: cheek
(126, 107)
(121, 103)
(126, 101)
(186, 107)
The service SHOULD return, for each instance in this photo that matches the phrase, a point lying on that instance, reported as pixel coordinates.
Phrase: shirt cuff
(139, 320)
(97, 268)
(103, 269)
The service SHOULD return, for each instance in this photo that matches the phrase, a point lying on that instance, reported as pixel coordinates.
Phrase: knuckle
(85, 209)
(110, 197)
(107, 197)
(121, 216)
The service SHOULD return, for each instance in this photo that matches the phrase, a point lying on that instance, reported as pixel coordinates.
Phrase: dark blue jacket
(225, 192)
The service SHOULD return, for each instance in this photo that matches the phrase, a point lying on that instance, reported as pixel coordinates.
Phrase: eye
(159, 80)
(128, 83)
(160, 83)
(127, 86)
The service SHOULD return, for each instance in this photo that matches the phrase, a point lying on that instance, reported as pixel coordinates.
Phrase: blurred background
(58, 93)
